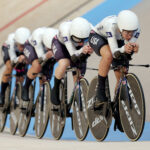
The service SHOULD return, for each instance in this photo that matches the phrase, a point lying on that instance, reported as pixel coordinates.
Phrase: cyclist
(67, 47)
(41, 40)
(11, 55)
(113, 33)
(34, 50)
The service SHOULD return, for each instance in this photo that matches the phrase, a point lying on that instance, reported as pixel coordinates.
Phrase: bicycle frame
(76, 85)
(124, 81)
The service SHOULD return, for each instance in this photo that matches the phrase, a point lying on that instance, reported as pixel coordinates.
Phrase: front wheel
(80, 119)
(132, 107)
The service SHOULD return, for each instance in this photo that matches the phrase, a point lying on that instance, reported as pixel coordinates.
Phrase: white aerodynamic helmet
(48, 35)
(21, 35)
(80, 28)
(36, 37)
(127, 20)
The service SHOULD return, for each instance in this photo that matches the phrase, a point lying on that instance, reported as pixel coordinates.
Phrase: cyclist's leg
(118, 76)
(101, 48)
(103, 72)
(5, 81)
(48, 68)
(59, 74)
(31, 58)
(62, 56)
(35, 69)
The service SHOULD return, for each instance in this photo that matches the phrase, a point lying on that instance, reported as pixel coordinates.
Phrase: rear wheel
(25, 116)
(80, 119)
(97, 122)
(58, 115)
(132, 107)
(4, 110)
(42, 110)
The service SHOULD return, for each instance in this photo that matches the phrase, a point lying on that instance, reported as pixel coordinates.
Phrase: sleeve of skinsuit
(112, 41)
(65, 34)
(36, 41)
(135, 36)
(12, 54)
(40, 51)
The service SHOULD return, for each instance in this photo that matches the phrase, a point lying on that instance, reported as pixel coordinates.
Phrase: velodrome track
(108, 7)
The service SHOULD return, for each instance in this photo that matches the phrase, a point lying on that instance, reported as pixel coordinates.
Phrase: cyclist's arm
(135, 36)
(40, 51)
(112, 41)
(70, 47)
(12, 53)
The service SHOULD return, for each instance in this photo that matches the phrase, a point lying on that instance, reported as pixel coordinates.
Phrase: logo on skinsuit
(109, 34)
(26, 52)
(94, 40)
(137, 35)
(54, 49)
(65, 39)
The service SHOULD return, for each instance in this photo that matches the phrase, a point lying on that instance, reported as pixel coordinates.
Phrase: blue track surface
(108, 7)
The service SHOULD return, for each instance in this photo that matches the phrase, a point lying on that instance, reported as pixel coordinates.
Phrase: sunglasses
(129, 32)
(79, 40)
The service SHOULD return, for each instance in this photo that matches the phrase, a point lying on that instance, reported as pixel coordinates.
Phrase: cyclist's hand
(83, 57)
(21, 58)
(74, 58)
(87, 49)
(49, 54)
(128, 48)
(135, 47)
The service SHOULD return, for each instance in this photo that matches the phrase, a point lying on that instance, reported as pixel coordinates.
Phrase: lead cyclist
(112, 34)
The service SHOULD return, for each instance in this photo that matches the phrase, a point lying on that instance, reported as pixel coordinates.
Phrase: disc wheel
(132, 107)
(80, 119)
(25, 117)
(42, 110)
(58, 116)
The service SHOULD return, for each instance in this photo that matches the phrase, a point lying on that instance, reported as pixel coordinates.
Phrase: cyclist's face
(127, 35)
(20, 47)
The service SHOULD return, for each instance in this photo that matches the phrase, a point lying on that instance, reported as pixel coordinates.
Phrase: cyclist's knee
(108, 57)
(8, 66)
(36, 66)
(64, 63)
(106, 53)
